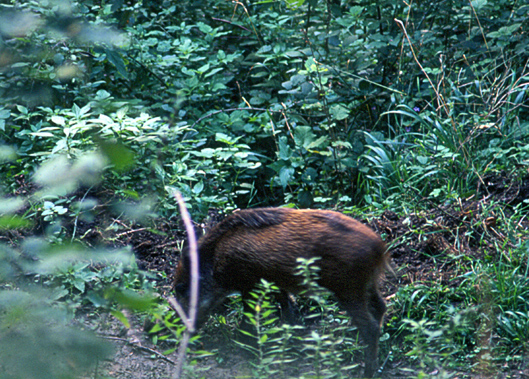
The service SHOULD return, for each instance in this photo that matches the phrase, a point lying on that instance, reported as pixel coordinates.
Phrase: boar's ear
(182, 266)
(185, 255)
(185, 249)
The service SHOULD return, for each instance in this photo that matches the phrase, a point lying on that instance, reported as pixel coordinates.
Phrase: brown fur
(256, 244)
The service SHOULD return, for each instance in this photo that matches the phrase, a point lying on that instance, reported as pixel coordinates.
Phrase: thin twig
(439, 96)
(77, 216)
(193, 255)
(177, 307)
(138, 345)
(249, 19)
(193, 302)
(168, 244)
(479, 24)
(231, 23)
(130, 232)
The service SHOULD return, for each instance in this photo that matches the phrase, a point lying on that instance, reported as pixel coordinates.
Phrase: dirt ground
(415, 259)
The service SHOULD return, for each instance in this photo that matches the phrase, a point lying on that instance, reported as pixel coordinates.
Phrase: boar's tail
(386, 263)
(249, 218)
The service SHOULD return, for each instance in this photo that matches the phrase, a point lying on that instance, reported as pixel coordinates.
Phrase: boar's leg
(289, 313)
(245, 325)
(368, 327)
(289, 309)
(377, 305)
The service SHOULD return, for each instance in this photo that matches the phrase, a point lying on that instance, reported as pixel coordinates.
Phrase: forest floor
(418, 243)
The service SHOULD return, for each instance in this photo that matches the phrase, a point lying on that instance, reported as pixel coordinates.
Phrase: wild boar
(263, 243)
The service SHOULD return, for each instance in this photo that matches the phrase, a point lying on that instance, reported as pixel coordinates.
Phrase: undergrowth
(404, 108)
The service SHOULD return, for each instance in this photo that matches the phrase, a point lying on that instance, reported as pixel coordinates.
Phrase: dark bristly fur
(264, 243)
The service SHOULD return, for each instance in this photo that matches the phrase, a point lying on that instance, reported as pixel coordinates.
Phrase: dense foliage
(378, 105)
(246, 104)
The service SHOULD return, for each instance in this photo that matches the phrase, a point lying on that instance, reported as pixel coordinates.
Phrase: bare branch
(190, 319)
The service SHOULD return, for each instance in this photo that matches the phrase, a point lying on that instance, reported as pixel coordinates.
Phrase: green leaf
(131, 299)
(22, 109)
(285, 175)
(58, 120)
(169, 351)
(119, 155)
(294, 4)
(314, 144)
(115, 58)
(285, 152)
(79, 284)
(221, 137)
(204, 28)
(505, 31)
(339, 112)
(356, 10)
(203, 69)
(303, 136)
(310, 65)
(478, 4)
(121, 317)
(156, 328)
(213, 72)
(294, 53)
(197, 188)
(14, 222)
